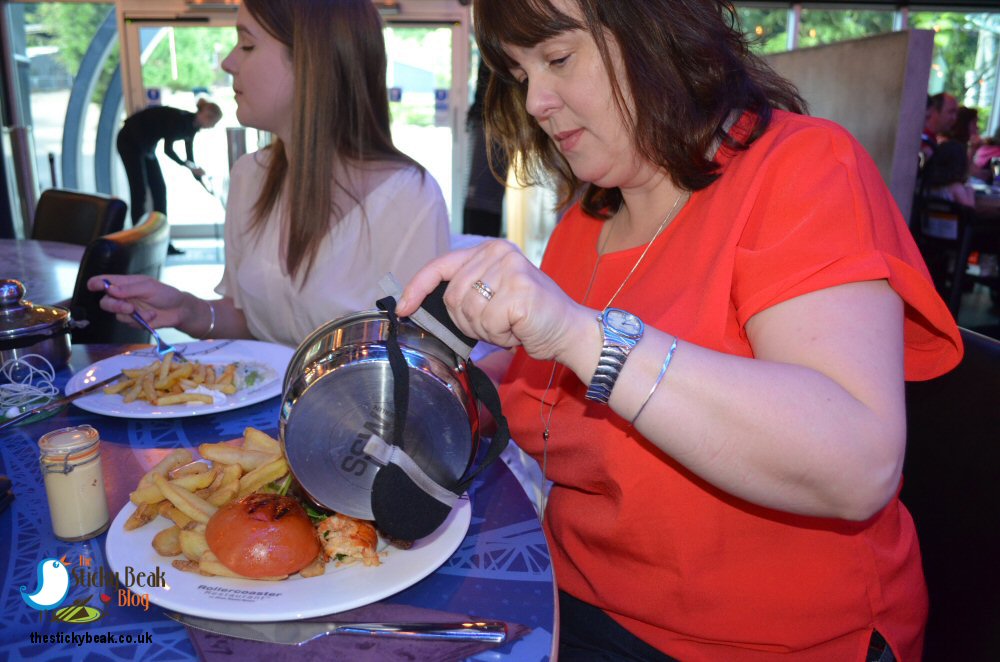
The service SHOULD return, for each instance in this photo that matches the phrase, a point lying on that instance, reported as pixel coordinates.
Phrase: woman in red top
(711, 360)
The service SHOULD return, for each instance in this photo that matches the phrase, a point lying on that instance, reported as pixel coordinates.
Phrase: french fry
(227, 389)
(209, 375)
(148, 494)
(175, 458)
(182, 398)
(170, 511)
(118, 386)
(316, 568)
(255, 440)
(143, 515)
(132, 392)
(227, 375)
(174, 377)
(198, 376)
(223, 495)
(167, 542)
(193, 544)
(187, 469)
(227, 454)
(191, 505)
(147, 387)
(186, 565)
(261, 476)
(165, 367)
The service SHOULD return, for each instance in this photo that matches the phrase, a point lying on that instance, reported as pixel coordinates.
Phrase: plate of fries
(161, 532)
(215, 376)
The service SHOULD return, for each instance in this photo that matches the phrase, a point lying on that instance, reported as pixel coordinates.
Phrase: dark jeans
(587, 634)
(142, 171)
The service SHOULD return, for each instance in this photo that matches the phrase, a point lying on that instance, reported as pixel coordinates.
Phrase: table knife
(61, 402)
(300, 632)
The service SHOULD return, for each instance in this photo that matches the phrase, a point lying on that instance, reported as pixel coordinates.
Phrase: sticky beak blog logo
(55, 579)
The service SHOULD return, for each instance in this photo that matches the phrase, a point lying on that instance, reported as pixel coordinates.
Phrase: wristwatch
(622, 330)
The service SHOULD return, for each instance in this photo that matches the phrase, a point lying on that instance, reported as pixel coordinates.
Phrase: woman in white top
(314, 220)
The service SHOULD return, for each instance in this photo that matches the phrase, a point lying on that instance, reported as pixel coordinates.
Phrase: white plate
(213, 352)
(339, 589)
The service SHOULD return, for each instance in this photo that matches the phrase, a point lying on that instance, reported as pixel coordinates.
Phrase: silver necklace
(546, 420)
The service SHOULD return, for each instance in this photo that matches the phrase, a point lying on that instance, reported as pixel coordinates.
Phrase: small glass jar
(74, 482)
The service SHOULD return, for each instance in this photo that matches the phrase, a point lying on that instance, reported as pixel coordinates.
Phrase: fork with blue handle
(162, 346)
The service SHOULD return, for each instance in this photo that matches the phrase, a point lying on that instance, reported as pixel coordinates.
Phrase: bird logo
(53, 585)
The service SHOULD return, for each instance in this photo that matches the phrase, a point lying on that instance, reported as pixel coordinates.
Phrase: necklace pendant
(545, 434)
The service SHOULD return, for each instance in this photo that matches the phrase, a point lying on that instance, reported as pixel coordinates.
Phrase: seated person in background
(989, 150)
(946, 173)
(316, 219)
(941, 113)
(725, 484)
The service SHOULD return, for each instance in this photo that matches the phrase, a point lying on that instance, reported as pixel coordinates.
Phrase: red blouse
(693, 571)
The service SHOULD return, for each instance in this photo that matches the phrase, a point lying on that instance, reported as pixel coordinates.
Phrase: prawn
(348, 539)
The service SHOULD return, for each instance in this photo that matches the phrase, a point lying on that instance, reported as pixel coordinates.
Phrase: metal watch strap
(609, 366)
(616, 347)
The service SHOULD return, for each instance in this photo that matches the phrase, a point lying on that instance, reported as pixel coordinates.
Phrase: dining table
(46, 268)
(501, 569)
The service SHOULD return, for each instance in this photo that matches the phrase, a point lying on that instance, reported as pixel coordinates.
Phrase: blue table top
(502, 570)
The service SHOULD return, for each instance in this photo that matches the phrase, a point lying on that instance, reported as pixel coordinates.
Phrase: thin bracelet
(211, 327)
(659, 378)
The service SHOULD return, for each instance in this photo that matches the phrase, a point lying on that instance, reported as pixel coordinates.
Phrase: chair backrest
(945, 232)
(76, 218)
(951, 486)
(138, 250)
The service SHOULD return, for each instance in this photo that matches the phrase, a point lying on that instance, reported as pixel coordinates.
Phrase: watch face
(623, 322)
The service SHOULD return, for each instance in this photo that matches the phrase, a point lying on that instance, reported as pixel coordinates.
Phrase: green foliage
(197, 54)
(767, 29)
(957, 40)
(829, 26)
(71, 27)
(956, 44)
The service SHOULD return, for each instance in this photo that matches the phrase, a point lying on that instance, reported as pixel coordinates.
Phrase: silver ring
(484, 289)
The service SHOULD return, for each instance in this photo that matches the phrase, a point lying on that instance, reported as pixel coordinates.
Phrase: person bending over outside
(137, 143)
(317, 218)
(710, 361)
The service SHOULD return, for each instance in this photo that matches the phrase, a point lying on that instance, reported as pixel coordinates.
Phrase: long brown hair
(341, 108)
(687, 66)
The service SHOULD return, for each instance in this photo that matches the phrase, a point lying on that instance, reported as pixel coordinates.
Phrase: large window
(181, 64)
(966, 44)
(766, 27)
(826, 26)
(966, 56)
(52, 42)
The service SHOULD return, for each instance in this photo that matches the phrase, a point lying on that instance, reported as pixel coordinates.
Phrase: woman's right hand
(159, 304)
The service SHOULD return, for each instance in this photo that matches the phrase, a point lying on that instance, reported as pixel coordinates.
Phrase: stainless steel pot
(28, 328)
(338, 393)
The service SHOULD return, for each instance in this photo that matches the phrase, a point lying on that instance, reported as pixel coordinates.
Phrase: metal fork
(162, 346)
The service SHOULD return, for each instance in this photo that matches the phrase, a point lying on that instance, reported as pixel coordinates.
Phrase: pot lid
(20, 318)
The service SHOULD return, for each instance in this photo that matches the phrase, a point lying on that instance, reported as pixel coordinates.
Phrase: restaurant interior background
(72, 71)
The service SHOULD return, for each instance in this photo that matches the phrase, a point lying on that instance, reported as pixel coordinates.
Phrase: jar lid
(20, 318)
(68, 441)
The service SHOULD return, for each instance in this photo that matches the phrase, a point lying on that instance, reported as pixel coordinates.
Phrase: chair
(951, 486)
(947, 234)
(138, 250)
(76, 218)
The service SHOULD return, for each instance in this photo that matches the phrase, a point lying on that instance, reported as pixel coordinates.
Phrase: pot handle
(406, 503)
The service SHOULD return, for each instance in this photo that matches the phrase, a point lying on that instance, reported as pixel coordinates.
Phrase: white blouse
(404, 224)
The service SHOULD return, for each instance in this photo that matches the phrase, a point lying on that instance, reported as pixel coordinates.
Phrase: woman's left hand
(527, 308)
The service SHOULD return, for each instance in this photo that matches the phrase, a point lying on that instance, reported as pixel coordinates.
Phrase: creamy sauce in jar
(74, 482)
